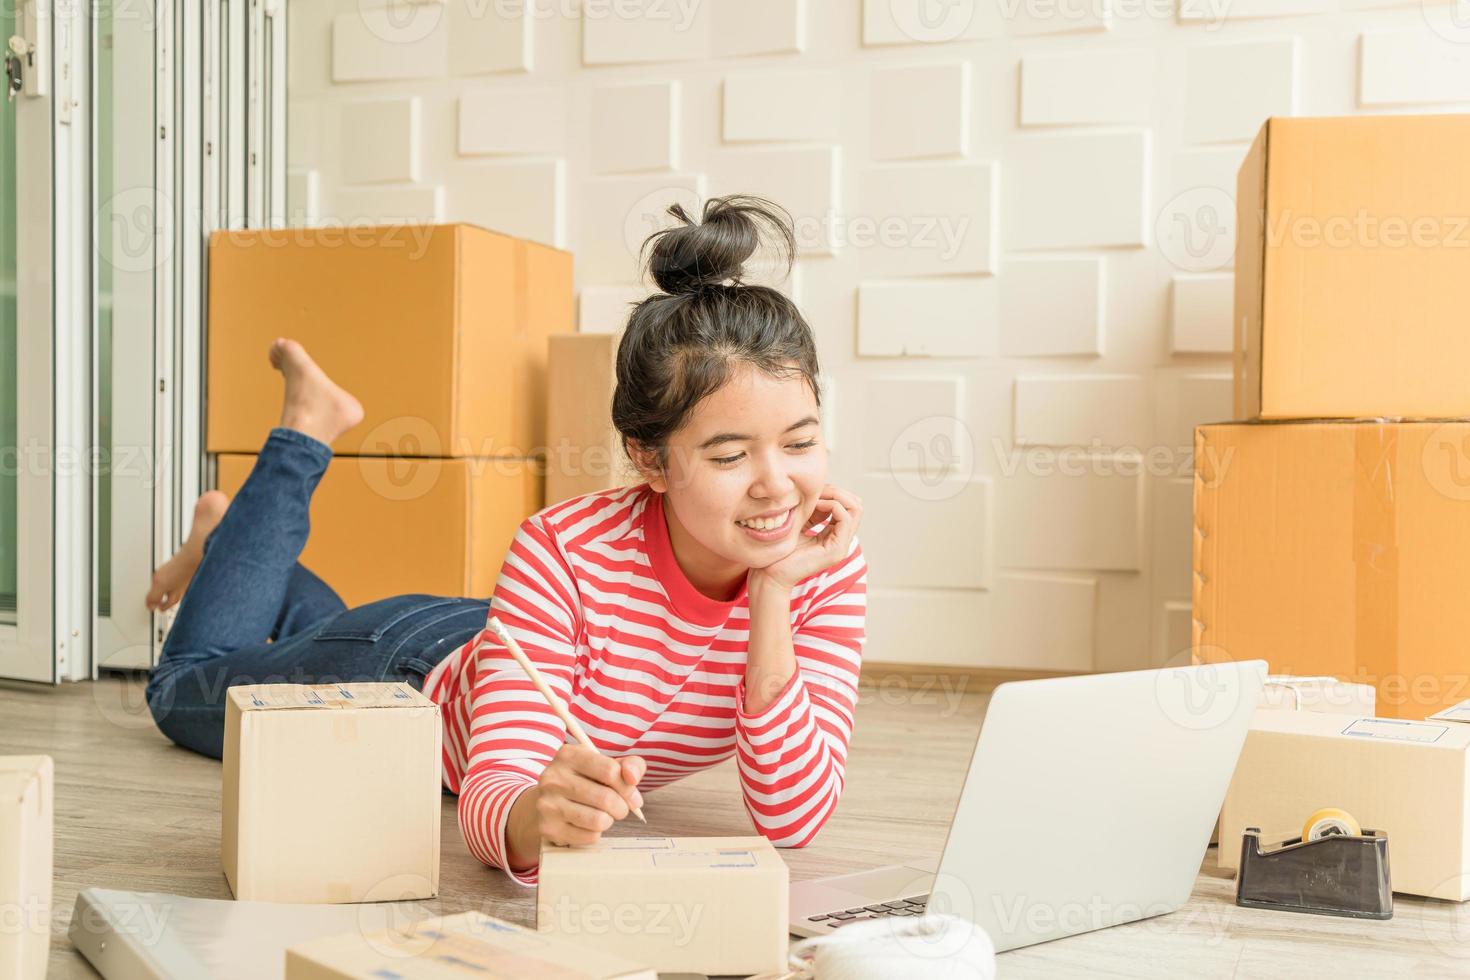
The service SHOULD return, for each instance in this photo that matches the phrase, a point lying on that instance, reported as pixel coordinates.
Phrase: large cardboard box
(1337, 548)
(584, 453)
(1352, 254)
(330, 793)
(467, 944)
(712, 905)
(440, 331)
(446, 523)
(1409, 779)
(26, 814)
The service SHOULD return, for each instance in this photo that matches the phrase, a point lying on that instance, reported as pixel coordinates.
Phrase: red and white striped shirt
(650, 667)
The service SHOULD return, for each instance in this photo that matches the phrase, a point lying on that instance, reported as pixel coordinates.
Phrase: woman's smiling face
(743, 474)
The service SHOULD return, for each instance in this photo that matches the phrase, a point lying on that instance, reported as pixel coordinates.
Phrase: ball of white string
(927, 947)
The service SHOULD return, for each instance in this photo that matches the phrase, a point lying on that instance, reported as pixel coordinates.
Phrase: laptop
(1089, 802)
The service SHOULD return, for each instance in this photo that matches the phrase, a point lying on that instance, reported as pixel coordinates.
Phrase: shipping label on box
(331, 793)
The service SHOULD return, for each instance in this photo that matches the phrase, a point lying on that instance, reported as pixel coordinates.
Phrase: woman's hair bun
(691, 256)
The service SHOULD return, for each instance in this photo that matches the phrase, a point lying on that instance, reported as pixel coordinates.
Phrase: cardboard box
(1409, 779)
(26, 813)
(1352, 254)
(712, 905)
(463, 944)
(1325, 694)
(584, 453)
(440, 331)
(330, 793)
(1337, 548)
(447, 523)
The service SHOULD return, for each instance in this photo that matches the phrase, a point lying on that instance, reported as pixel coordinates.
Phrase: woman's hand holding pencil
(581, 792)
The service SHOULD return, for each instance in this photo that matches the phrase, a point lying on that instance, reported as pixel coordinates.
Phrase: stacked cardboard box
(442, 332)
(584, 452)
(1332, 521)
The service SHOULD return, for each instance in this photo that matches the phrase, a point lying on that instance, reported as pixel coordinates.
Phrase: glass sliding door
(130, 232)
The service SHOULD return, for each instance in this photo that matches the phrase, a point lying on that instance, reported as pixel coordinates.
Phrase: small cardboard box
(469, 943)
(712, 905)
(584, 453)
(1409, 779)
(1352, 254)
(448, 523)
(439, 330)
(26, 813)
(330, 793)
(1337, 548)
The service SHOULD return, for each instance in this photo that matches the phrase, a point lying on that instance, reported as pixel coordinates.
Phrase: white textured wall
(1016, 221)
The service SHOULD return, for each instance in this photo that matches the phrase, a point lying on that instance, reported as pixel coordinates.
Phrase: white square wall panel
(1044, 622)
(618, 213)
(1215, 12)
(782, 105)
(1414, 67)
(1087, 87)
(925, 22)
(746, 27)
(524, 199)
(904, 417)
(951, 317)
(605, 309)
(379, 141)
(1185, 401)
(506, 120)
(804, 181)
(920, 111)
(1104, 411)
(616, 32)
(387, 44)
(1070, 511)
(1173, 565)
(924, 219)
(938, 540)
(1200, 312)
(1051, 307)
(486, 37)
(1230, 89)
(388, 205)
(635, 127)
(303, 196)
(956, 630)
(1029, 18)
(1078, 191)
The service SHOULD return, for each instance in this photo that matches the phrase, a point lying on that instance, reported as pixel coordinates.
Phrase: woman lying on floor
(715, 610)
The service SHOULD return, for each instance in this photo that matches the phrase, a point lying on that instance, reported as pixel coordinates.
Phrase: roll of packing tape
(1329, 821)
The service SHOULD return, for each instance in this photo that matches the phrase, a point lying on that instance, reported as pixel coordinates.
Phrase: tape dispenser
(1334, 868)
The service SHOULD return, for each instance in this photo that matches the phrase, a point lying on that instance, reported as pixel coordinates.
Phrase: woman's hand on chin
(815, 551)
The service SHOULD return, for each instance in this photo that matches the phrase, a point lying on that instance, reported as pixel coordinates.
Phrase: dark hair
(682, 344)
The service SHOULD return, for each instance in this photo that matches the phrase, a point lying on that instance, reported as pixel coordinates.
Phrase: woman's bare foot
(173, 576)
(314, 404)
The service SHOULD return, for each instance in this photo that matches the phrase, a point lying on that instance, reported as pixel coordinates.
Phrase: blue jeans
(250, 587)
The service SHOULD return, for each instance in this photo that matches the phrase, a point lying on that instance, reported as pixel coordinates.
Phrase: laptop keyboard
(883, 910)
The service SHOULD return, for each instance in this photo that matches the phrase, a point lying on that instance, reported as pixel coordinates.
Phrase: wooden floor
(135, 812)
